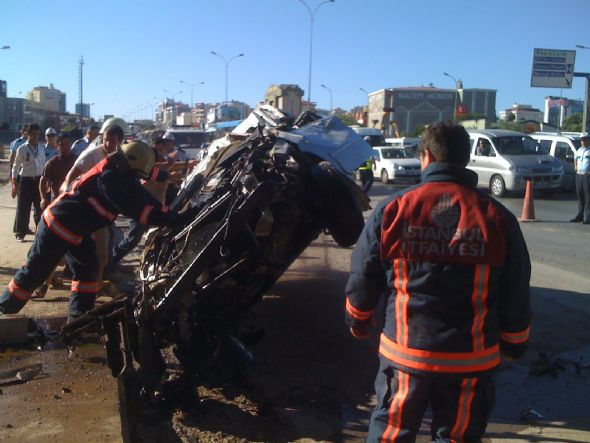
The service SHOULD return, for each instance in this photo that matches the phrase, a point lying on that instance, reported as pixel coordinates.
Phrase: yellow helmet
(140, 157)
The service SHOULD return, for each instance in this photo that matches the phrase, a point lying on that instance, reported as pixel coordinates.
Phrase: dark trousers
(366, 179)
(460, 406)
(27, 196)
(583, 193)
(44, 255)
(131, 240)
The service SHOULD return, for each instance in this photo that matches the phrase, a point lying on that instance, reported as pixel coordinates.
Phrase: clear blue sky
(135, 49)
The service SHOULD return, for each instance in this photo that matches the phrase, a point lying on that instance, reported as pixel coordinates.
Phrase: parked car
(505, 160)
(563, 147)
(396, 165)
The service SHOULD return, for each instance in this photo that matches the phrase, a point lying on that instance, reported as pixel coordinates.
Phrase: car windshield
(395, 153)
(189, 139)
(515, 145)
(376, 140)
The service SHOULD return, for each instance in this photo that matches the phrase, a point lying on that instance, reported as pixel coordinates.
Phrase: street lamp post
(456, 93)
(192, 85)
(226, 61)
(5, 47)
(587, 92)
(311, 19)
(330, 91)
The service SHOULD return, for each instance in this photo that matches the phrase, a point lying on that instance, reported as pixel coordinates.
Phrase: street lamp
(311, 19)
(587, 92)
(456, 93)
(330, 91)
(5, 47)
(226, 61)
(192, 85)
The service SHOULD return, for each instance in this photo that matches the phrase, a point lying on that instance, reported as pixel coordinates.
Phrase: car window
(515, 145)
(394, 153)
(483, 148)
(544, 146)
(189, 139)
(561, 150)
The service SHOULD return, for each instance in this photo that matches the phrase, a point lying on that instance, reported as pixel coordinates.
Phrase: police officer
(582, 166)
(366, 171)
(455, 269)
(110, 188)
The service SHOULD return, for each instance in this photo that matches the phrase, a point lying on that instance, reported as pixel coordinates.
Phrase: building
(287, 98)
(403, 109)
(83, 111)
(228, 111)
(48, 98)
(519, 112)
(3, 89)
(12, 112)
(558, 108)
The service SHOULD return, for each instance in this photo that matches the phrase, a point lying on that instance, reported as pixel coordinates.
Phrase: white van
(504, 160)
(563, 147)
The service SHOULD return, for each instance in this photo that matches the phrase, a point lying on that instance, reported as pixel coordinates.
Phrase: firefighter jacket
(455, 270)
(96, 200)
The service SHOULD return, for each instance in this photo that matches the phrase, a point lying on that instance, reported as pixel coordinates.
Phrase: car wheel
(497, 186)
(344, 216)
(384, 176)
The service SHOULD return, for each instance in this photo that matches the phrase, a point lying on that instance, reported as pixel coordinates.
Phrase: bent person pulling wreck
(96, 199)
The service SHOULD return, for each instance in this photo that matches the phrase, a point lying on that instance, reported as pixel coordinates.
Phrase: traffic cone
(528, 207)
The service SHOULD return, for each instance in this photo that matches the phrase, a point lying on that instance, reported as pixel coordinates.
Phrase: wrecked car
(251, 208)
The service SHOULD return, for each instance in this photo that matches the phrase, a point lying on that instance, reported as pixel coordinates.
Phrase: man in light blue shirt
(14, 144)
(50, 143)
(582, 166)
(80, 145)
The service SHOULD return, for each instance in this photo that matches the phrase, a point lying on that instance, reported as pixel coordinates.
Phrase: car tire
(344, 216)
(384, 176)
(497, 186)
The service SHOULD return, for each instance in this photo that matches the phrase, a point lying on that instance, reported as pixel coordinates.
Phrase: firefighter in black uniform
(455, 269)
(110, 188)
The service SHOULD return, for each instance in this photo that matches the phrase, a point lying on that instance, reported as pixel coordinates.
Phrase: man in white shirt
(81, 144)
(29, 161)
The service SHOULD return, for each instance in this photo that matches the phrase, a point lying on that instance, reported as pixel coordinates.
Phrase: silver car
(505, 160)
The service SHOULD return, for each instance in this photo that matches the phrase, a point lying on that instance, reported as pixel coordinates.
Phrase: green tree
(573, 123)
(347, 119)
(418, 130)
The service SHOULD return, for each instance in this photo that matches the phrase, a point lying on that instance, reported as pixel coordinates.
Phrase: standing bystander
(27, 168)
(81, 144)
(582, 167)
(455, 269)
(50, 144)
(14, 144)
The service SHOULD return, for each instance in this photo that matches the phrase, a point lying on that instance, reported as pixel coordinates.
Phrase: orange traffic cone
(528, 207)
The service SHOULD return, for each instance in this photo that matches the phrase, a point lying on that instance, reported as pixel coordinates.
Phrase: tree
(418, 130)
(573, 123)
(347, 119)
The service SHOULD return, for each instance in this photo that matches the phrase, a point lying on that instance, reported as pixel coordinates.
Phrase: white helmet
(114, 121)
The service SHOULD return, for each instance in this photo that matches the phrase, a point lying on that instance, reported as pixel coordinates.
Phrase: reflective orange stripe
(463, 409)
(394, 421)
(98, 207)
(400, 267)
(478, 301)
(87, 287)
(18, 292)
(516, 337)
(357, 314)
(60, 230)
(450, 362)
(145, 213)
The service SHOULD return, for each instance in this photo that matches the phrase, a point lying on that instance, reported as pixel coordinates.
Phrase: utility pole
(81, 90)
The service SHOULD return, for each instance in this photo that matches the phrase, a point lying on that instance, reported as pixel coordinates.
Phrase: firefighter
(109, 188)
(454, 268)
(366, 171)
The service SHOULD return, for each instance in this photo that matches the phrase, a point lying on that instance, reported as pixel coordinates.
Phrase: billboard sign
(553, 68)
